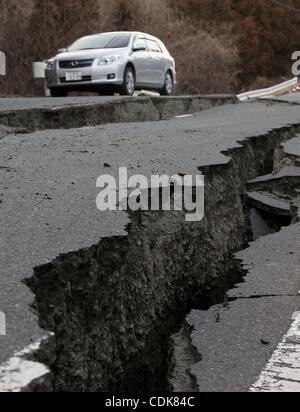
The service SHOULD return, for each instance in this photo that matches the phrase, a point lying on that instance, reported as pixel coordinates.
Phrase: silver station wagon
(108, 63)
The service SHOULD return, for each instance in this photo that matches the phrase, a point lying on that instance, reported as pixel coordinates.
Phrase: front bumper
(93, 76)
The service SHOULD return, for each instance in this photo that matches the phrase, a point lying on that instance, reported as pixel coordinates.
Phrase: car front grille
(84, 79)
(75, 64)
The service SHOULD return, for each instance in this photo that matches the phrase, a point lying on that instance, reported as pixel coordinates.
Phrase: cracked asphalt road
(48, 193)
(289, 98)
(237, 339)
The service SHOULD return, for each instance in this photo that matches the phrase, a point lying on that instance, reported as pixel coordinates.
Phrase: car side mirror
(62, 50)
(139, 48)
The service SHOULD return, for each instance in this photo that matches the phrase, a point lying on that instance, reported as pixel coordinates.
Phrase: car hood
(89, 54)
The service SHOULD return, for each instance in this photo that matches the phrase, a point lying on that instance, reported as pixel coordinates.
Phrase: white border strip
(2, 324)
(2, 64)
(282, 373)
(19, 372)
(269, 91)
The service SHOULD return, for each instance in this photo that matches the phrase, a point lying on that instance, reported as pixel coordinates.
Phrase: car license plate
(73, 76)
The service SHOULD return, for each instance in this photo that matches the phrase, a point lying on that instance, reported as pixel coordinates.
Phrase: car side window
(154, 46)
(140, 44)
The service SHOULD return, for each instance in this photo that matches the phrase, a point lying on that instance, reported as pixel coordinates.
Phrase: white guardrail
(269, 92)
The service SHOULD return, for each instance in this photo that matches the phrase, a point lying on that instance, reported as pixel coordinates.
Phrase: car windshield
(101, 41)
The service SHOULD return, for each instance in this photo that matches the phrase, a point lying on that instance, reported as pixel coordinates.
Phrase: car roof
(125, 32)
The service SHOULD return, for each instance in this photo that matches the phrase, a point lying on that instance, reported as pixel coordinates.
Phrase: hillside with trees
(267, 31)
(220, 46)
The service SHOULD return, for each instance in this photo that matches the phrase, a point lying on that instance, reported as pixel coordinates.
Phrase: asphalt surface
(48, 188)
(236, 340)
(289, 98)
(21, 103)
(292, 147)
(288, 171)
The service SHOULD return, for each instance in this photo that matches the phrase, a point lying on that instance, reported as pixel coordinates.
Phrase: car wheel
(58, 92)
(128, 86)
(168, 88)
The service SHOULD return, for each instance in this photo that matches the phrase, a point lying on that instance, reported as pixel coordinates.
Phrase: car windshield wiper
(88, 48)
(96, 48)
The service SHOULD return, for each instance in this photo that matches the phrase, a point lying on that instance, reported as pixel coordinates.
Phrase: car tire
(168, 88)
(128, 86)
(58, 92)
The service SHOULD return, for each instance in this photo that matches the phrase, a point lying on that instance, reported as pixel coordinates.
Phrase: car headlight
(50, 65)
(108, 60)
